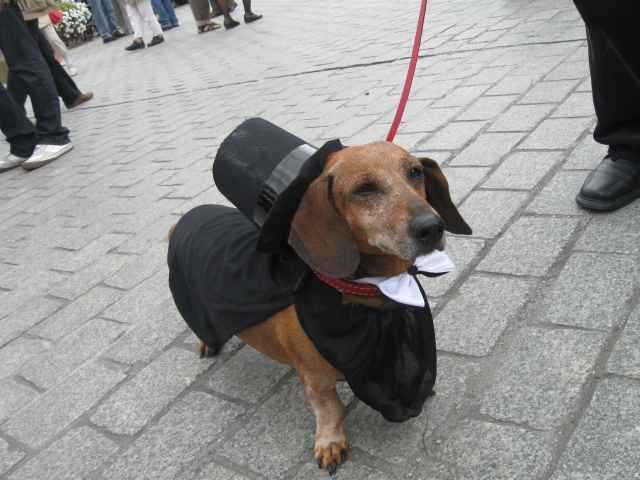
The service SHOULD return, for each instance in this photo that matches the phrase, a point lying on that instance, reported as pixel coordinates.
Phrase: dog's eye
(416, 173)
(366, 188)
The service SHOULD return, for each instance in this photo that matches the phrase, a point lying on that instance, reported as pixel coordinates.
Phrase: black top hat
(264, 171)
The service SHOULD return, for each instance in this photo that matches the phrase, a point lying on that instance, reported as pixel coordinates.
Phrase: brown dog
(374, 210)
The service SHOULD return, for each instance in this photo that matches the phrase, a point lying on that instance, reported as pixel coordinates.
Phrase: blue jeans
(166, 13)
(103, 17)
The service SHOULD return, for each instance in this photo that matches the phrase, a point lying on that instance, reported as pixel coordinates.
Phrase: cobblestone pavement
(538, 329)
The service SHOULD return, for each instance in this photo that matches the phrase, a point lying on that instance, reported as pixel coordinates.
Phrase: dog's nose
(427, 228)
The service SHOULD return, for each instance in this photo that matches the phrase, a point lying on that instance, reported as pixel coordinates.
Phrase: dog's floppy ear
(438, 196)
(319, 234)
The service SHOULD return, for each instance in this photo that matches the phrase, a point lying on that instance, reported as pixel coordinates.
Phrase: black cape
(222, 285)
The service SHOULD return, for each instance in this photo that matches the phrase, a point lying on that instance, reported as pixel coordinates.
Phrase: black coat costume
(222, 285)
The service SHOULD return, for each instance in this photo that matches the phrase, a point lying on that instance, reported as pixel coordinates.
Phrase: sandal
(208, 27)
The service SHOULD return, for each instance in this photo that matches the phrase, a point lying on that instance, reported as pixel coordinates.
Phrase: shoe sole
(33, 165)
(604, 206)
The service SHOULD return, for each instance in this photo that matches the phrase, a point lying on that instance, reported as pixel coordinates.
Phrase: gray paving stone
(74, 456)
(27, 316)
(625, 358)
(191, 425)
(487, 107)
(549, 92)
(592, 291)
(77, 313)
(16, 353)
(476, 316)
(248, 375)
(54, 410)
(529, 246)
(606, 444)
(50, 368)
(488, 211)
(134, 306)
(521, 118)
(487, 149)
(401, 443)
(586, 156)
(557, 133)
(462, 251)
(461, 96)
(14, 396)
(136, 402)
(350, 470)
(571, 70)
(138, 269)
(578, 104)
(84, 280)
(618, 232)
(555, 363)
(8, 456)
(559, 196)
(462, 180)
(513, 84)
(479, 451)
(522, 170)
(158, 329)
(452, 136)
(285, 428)
(212, 471)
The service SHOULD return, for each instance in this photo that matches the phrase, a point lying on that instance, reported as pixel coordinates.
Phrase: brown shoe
(82, 98)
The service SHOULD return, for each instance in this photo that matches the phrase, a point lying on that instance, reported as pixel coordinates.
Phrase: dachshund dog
(372, 212)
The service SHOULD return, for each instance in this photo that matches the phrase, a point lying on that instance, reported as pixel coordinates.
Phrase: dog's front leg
(331, 446)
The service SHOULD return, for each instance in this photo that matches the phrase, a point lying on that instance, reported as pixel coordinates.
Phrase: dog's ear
(319, 234)
(437, 189)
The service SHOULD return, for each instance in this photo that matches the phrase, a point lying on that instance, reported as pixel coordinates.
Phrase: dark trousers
(614, 60)
(19, 131)
(66, 87)
(29, 75)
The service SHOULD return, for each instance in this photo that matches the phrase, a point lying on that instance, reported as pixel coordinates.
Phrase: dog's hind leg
(331, 446)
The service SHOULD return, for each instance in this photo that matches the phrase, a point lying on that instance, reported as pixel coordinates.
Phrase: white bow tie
(404, 288)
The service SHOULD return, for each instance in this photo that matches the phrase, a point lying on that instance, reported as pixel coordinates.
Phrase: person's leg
(110, 17)
(146, 12)
(161, 12)
(29, 74)
(59, 48)
(66, 87)
(224, 7)
(201, 11)
(615, 79)
(171, 12)
(138, 28)
(100, 20)
(18, 130)
(249, 16)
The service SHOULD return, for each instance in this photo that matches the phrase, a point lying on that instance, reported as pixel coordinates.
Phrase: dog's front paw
(331, 452)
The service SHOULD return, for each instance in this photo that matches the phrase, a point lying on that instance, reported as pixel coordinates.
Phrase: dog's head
(374, 200)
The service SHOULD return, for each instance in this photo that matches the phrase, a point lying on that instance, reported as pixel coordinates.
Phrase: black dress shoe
(251, 17)
(136, 45)
(230, 23)
(117, 34)
(613, 184)
(156, 40)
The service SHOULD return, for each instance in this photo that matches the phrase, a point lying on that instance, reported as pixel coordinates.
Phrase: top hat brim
(274, 233)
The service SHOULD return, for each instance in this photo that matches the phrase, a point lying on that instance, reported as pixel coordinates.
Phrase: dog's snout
(427, 228)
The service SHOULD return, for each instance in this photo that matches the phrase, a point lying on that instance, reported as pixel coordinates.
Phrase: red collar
(349, 288)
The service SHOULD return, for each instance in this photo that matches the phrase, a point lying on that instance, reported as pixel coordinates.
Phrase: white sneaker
(11, 161)
(44, 154)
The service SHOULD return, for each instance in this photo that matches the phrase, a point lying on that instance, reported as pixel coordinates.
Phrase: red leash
(410, 73)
